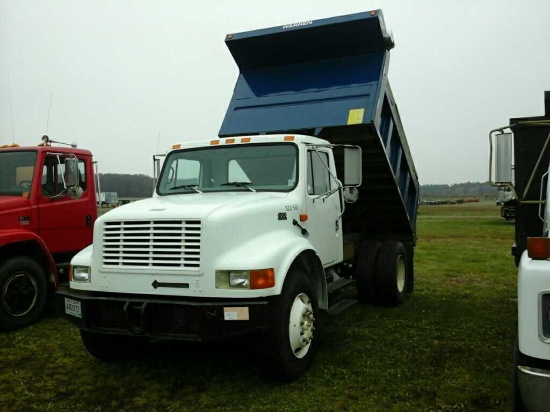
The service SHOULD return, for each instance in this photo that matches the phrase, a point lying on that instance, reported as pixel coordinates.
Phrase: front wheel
(292, 341)
(23, 290)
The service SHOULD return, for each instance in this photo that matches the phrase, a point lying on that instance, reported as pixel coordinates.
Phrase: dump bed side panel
(328, 78)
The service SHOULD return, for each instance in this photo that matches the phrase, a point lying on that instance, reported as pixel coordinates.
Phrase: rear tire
(291, 341)
(391, 273)
(112, 348)
(23, 292)
(365, 271)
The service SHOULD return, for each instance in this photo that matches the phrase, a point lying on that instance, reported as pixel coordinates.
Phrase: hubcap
(19, 294)
(401, 273)
(301, 325)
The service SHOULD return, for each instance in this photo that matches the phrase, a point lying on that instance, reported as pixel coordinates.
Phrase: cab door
(323, 207)
(65, 224)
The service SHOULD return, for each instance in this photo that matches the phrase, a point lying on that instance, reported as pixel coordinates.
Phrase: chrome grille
(152, 243)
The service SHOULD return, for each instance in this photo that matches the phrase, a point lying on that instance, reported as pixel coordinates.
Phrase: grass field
(448, 348)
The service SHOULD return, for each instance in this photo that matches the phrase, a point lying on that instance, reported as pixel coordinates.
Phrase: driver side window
(52, 176)
(318, 177)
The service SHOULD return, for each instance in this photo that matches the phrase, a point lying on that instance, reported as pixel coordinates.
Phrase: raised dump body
(328, 78)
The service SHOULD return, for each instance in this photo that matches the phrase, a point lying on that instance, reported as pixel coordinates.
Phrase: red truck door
(65, 224)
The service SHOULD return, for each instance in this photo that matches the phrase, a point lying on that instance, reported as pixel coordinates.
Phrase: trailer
(524, 147)
(309, 188)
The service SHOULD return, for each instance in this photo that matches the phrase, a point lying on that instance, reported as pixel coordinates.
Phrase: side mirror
(71, 172)
(503, 158)
(353, 166)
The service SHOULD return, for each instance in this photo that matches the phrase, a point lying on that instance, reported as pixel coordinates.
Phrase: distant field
(448, 348)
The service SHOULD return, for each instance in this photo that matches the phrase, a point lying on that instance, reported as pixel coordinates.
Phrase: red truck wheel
(23, 290)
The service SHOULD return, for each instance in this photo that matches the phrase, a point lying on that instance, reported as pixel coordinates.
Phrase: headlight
(245, 279)
(80, 273)
(239, 279)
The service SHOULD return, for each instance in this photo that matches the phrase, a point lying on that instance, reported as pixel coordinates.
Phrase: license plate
(73, 307)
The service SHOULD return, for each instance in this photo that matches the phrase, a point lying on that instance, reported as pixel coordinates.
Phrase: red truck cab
(47, 212)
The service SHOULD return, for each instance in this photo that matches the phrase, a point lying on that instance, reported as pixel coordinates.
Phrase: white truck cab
(253, 232)
(523, 166)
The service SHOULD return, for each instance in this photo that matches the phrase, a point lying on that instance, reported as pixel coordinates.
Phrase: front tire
(292, 341)
(23, 292)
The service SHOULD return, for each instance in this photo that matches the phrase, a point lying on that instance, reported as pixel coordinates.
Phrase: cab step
(341, 305)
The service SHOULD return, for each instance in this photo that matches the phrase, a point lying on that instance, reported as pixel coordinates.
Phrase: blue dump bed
(328, 78)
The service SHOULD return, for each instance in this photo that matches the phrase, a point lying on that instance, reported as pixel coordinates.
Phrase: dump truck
(47, 211)
(524, 147)
(309, 188)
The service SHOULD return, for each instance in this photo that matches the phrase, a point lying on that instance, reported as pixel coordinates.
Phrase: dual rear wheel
(384, 272)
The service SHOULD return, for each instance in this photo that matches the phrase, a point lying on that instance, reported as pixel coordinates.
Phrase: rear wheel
(23, 290)
(391, 273)
(291, 342)
(112, 348)
(365, 271)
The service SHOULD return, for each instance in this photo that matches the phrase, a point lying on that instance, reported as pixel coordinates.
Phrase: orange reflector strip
(214, 142)
(304, 217)
(538, 247)
(262, 279)
(176, 146)
(289, 138)
(245, 140)
(70, 273)
(229, 141)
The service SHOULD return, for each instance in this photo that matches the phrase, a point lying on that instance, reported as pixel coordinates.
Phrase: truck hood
(9, 203)
(193, 205)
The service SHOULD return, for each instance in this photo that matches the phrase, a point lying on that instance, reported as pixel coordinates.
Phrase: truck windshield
(16, 172)
(243, 168)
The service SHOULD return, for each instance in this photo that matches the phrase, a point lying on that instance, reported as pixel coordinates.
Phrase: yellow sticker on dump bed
(355, 116)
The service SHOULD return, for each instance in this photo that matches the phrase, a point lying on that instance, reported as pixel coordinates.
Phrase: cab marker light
(214, 142)
(245, 140)
(176, 146)
(289, 138)
(538, 248)
(230, 141)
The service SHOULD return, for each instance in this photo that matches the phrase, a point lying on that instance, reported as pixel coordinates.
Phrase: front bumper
(534, 385)
(160, 317)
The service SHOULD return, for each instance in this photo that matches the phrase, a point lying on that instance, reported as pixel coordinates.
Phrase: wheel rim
(301, 325)
(401, 273)
(19, 294)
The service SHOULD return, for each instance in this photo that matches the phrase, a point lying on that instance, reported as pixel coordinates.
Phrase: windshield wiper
(193, 187)
(239, 184)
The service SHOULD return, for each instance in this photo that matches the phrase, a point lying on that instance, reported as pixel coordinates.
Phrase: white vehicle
(255, 231)
(530, 139)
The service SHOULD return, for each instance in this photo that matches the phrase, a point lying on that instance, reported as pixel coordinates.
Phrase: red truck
(47, 212)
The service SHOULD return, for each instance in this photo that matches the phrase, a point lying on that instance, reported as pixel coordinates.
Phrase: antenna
(11, 113)
(158, 140)
(49, 108)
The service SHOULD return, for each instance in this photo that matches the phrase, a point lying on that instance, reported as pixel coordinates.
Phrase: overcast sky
(129, 78)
